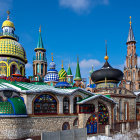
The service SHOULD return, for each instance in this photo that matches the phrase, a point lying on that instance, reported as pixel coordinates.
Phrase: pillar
(127, 126)
(138, 124)
(123, 127)
(107, 130)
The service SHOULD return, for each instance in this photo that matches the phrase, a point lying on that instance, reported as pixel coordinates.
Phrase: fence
(74, 134)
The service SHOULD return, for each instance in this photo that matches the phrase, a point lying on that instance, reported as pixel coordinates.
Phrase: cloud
(28, 66)
(80, 6)
(138, 61)
(5, 5)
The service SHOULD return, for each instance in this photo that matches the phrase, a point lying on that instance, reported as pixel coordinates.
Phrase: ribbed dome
(8, 23)
(62, 74)
(12, 48)
(111, 74)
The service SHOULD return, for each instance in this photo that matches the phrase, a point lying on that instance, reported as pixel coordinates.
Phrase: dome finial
(106, 57)
(130, 21)
(40, 29)
(52, 56)
(62, 64)
(8, 12)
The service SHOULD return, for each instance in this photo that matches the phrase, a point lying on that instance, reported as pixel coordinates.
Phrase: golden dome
(8, 23)
(12, 48)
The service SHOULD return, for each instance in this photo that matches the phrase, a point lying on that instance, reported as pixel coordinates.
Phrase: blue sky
(72, 28)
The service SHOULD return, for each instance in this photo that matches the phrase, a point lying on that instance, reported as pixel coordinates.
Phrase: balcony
(9, 35)
(43, 59)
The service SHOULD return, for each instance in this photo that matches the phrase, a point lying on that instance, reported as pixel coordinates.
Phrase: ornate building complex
(50, 100)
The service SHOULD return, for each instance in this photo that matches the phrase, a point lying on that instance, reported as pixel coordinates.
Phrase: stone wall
(13, 128)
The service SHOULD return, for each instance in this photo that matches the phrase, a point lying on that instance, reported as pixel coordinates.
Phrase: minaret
(40, 61)
(77, 78)
(69, 75)
(131, 69)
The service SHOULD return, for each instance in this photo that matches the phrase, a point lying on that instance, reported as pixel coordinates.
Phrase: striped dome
(12, 48)
(62, 74)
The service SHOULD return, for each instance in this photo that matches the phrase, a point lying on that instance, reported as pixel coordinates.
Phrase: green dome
(13, 106)
(62, 74)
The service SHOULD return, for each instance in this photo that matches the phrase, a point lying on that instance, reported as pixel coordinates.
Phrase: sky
(72, 28)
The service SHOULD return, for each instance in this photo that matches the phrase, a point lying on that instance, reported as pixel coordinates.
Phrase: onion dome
(8, 23)
(52, 75)
(62, 73)
(131, 37)
(13, 107)
(107, 74)
(78, 74)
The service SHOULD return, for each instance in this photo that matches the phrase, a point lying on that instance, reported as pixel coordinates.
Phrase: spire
(40, 42)
(52, 56)
(8, 12)
(131, 37)
(62, 65)
(78, 74)
(69, 71)
(106, 57)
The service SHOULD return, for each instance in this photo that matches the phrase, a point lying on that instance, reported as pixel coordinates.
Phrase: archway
(65, 126)
(13, 69)
(45, 104)
(92, 124)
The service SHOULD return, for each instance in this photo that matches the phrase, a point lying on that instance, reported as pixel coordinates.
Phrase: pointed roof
(40, 42)
(69, 71)
(131, 37)
(78, 74)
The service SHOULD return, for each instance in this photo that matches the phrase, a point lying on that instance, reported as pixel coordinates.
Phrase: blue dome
(63, 85)
(52, 65)
(51, 77)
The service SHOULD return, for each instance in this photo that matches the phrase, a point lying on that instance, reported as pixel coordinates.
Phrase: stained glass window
(66, 105)
(86, 108)
(45, 104)
(3, 69)
(103, 114)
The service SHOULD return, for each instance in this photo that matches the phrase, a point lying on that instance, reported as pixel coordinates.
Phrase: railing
(10, 34)
(44, 59)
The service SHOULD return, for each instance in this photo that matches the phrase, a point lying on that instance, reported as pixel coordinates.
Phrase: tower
(40, 61)
(131, 71)
(52, 77)
(12, 54)
(69, 75)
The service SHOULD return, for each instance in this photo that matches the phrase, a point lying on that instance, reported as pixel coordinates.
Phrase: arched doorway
(92, 124)
(45, 104)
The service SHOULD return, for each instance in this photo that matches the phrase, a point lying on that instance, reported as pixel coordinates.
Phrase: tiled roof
(24, 87)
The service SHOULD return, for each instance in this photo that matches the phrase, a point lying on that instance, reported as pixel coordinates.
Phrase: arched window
(134, 75)
(41, 68)
(65, 126)
(103, 114)
(3, 69)
(38, 69)
(75, 123)
(76, 99)
(13, 69)
(66, 105)
(120, 109)
(40, 56)
(45, 104)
